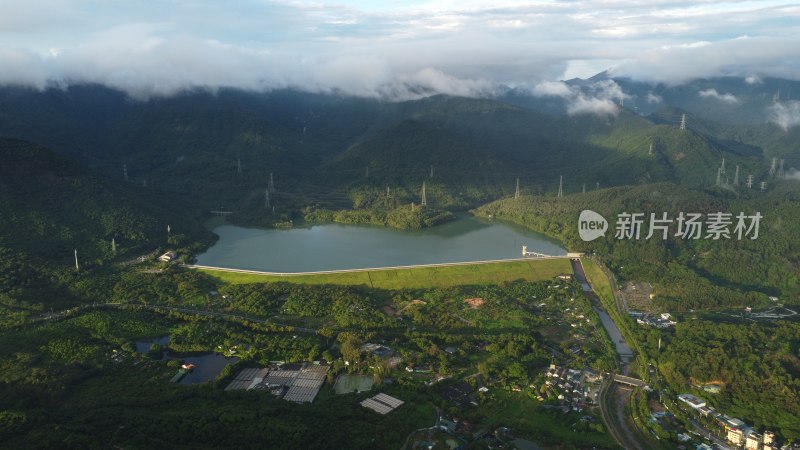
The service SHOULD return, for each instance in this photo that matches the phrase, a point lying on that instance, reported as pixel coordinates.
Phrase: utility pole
(113, 246)
(431, 171)
(516, 193)
(239, 165)
(424, 197)
(683, 121)
(750, 182)
(597, 186)
(266, 197)
(560, 186)
(388, 192)
(77, 267)
(168, 229)
(583, 191)
(736, 176)
(125, 172)
(271, 185)
(650, 152)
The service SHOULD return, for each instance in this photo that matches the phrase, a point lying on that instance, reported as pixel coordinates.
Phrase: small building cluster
(663, 320)
(738, 432)
(573, 388)
(298, 383)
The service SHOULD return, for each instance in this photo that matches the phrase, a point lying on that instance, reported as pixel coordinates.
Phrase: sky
(389, 48)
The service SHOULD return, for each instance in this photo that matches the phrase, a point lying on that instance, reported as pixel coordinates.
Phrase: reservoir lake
(339, 247)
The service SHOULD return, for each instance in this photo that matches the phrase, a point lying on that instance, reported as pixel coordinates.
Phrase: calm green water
(336, 246)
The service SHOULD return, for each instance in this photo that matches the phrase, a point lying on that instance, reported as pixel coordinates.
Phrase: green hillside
(53, 206)
(687, 273)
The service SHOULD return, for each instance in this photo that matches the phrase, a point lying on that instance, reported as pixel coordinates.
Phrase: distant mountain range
(219, 149)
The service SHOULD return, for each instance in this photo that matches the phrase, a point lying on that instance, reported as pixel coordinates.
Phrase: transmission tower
(424, 197)
(722, 167)
(650, 152)
(113, 246)
(773, 166)
(560, 186)
(239, 165)
(516, 193)
(763, 185)
(144, 182)
(750, 182)
(266, 198)
(719, 175)
(169, 230)
(736, 176)
(597, 186)
(271, 185)
(125, 172)
(388, 192)
(683, 121)
(431, 171)
(780, 170)
(584, 188)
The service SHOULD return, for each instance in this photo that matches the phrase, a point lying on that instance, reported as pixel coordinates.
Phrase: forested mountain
(52, 206)
(322, 150)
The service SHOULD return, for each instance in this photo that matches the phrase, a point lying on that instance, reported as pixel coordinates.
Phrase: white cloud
(753, 79)
(786, 115)
(597, 98)
(654, 98)
(374, 48)
(552, 89)
(712, 93)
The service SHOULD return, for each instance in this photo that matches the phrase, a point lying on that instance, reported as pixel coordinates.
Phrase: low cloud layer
(597, 98)
(786, 114)
(725, 98)
(390, 49)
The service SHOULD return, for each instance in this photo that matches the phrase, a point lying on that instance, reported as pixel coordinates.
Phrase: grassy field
(414, 278)
(599, 281)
